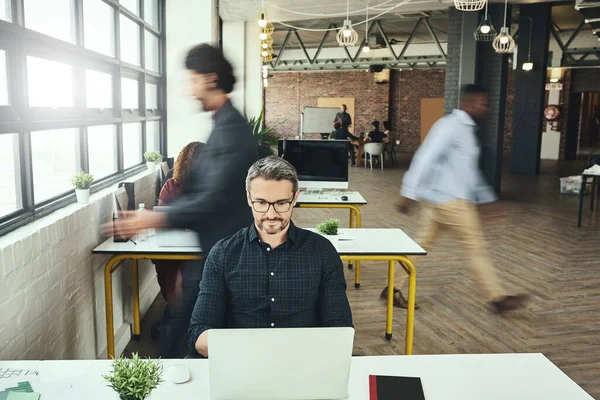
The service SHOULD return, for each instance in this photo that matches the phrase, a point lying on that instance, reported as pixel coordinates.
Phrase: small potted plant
(329, 228)
(82, 183)
(152, 158)
(134, 378)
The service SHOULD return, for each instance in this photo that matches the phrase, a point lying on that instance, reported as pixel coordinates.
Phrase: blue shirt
(446, 166)
(247, 284)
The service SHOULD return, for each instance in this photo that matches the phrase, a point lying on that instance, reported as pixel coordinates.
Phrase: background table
(391, 245)
(444, 377)
(145, 250)
(595, 181)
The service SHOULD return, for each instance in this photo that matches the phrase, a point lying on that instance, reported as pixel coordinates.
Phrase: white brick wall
(52, 288)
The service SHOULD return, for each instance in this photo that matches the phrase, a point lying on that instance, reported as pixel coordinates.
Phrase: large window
(76, 95)
(53, 18)
(3, 80)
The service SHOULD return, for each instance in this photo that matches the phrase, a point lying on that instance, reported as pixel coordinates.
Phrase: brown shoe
(509, 303)
(399, 300)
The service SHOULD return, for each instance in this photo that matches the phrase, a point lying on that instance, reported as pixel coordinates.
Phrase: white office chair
(374, 149)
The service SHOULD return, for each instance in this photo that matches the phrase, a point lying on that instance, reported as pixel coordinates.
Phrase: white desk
(134, 251)
(391, 245)
(444, 377)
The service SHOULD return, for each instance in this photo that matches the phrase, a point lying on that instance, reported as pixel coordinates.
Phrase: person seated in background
(388, 132)
(271, 274)
(376, 136)
(341, 131)
(168, 272)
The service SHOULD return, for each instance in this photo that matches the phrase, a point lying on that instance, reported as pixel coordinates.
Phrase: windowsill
(35, 226)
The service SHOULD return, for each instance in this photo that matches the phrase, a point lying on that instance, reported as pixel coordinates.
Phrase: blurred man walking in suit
(445, 177)
(214, 201)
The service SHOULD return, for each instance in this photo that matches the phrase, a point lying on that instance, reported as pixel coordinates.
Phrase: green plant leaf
(329, 227)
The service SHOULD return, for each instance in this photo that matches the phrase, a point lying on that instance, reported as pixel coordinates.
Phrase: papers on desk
(593, 170)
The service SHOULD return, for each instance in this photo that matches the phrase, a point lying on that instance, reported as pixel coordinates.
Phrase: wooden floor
(537, 249)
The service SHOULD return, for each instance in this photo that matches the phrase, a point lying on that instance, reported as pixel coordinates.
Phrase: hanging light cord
(404, 2)
(505, 11)
(367, 27)
(530, 34)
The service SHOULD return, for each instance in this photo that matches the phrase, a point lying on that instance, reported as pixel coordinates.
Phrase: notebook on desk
(395, 388)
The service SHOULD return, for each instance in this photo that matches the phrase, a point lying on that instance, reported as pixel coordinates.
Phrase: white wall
(188, 23)
(52, 288)
(234, 48)
(253, 89)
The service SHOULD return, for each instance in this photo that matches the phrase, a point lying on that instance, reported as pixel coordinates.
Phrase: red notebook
(395, 388)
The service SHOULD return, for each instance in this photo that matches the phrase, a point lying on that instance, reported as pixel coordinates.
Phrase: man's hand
(202, 344)
(403, 204)
(132, 222)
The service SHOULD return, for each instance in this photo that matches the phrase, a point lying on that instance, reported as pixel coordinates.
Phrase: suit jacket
(214, 201)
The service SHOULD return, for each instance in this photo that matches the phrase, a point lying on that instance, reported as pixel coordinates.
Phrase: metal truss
(352, 61)
(575, 57)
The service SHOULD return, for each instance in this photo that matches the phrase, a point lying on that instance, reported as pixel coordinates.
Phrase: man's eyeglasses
(280, 207)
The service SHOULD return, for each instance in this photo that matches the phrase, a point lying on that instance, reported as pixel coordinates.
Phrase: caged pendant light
(469, 5)
(485, 31)
(504, 42)
(347, 36)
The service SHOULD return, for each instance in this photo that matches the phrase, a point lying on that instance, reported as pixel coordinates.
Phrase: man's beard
(263, 225)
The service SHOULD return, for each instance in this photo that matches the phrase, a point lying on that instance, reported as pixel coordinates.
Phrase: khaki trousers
(462, 219)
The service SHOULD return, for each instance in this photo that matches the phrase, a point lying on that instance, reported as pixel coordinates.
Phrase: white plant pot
(83, 195)
(151, 165)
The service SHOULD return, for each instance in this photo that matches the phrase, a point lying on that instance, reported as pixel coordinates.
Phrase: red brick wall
(400, 100)
(407, 88)
(288, 93)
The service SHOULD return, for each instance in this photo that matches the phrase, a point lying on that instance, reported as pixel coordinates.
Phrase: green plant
(329, 227)
(265, 140)
(134, 378)
(82, 180)
(151, 156)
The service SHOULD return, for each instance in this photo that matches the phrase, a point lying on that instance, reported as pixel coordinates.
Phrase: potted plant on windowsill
(329, 229)
(152, 158)
(82, 183)
(134, 378)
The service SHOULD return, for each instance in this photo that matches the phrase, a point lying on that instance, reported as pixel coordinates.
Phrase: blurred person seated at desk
(342, 133)
(168, 272)
(271, 274)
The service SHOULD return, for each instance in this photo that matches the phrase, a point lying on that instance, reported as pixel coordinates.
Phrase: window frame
(21, 119)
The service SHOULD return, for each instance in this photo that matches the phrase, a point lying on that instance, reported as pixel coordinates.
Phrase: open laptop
(174, 237)
(280, 364)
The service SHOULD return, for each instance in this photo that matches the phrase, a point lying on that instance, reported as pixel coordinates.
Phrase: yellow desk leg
(108, 304)
(410, 312)
(357, 271)
(350, 266)
(136, 299)
(390, 301)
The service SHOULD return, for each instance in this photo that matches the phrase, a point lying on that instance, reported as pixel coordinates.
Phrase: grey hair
(273, 168)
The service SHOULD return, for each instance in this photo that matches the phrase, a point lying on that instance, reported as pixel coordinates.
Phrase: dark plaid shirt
(247, 284)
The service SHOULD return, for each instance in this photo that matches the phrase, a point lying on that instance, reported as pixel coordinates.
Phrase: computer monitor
(321, 164)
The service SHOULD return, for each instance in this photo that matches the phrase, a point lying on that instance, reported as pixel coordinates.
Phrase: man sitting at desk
(271, 274)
